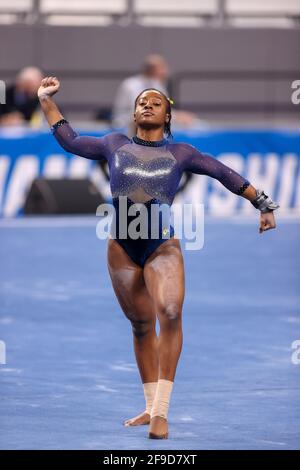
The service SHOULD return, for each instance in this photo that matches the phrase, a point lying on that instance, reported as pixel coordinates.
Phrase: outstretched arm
(266, 206)
(200, 163)
(94, 148)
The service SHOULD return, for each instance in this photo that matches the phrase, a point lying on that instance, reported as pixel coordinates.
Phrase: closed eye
(142, 103)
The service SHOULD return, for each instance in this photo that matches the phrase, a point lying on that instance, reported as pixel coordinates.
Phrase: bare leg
(129, 286)
(164, 278)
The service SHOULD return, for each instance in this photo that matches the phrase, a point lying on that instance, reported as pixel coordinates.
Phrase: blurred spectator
(154, 74)
(21, 98)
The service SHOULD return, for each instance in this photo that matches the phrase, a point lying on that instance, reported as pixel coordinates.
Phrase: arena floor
(70, 378)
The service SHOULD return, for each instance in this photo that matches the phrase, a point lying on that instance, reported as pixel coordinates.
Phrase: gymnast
(147, 274)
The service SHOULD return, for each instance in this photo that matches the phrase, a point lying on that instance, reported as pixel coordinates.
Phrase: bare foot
(143, 418)
(158, 428)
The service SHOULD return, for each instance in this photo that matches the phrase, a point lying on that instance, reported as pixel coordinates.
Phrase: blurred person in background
(154, 74)
(21, 105)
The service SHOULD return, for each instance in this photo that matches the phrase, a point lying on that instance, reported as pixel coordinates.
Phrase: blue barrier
(269, 159)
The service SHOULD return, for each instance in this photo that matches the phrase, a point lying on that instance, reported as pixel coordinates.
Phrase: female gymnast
(148, 274)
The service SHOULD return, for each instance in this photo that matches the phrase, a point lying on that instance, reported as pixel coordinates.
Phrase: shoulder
(115, 140)
(187, 155)
(183, 148)
(116, 135)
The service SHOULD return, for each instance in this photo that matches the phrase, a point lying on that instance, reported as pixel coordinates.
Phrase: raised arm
(94, 148)
(49, 86)
(204, 164)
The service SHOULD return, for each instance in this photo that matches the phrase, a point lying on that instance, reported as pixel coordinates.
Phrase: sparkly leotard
(146, 172)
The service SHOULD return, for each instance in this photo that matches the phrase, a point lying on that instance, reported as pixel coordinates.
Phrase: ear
(167, 118)
(134, 118)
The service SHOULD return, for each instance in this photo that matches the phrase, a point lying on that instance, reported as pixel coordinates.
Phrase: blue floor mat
(70, 378)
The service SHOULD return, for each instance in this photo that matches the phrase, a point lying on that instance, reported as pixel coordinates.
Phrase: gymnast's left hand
(267, 221)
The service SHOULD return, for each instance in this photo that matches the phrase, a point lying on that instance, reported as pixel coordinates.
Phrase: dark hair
(167, 126)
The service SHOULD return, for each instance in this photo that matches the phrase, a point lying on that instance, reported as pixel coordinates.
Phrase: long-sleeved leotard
(146, 172)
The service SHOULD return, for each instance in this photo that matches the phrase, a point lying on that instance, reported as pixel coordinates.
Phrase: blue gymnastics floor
(70, 378)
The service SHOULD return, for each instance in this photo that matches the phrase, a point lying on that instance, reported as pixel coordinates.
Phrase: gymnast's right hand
(49, 86)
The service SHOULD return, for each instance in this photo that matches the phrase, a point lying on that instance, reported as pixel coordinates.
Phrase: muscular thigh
(164, 275)
(129, 284)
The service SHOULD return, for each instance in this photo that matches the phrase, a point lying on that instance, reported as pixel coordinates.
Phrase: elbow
(66, 145)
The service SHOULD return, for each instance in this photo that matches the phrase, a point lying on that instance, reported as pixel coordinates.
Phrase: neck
(150, 134)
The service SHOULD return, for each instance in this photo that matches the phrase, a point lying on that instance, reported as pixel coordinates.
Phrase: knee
(170, 315)
(141, 328)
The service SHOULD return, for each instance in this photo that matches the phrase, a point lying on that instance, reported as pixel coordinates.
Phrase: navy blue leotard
(146, 172)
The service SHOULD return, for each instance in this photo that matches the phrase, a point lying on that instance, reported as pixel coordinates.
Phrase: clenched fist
(49, 86)
(267, 221)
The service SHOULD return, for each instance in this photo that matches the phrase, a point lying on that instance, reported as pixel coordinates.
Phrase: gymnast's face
(151, 110)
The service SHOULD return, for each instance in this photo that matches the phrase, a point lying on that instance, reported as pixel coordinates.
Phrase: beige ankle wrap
(162, 397)
(149, 393)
